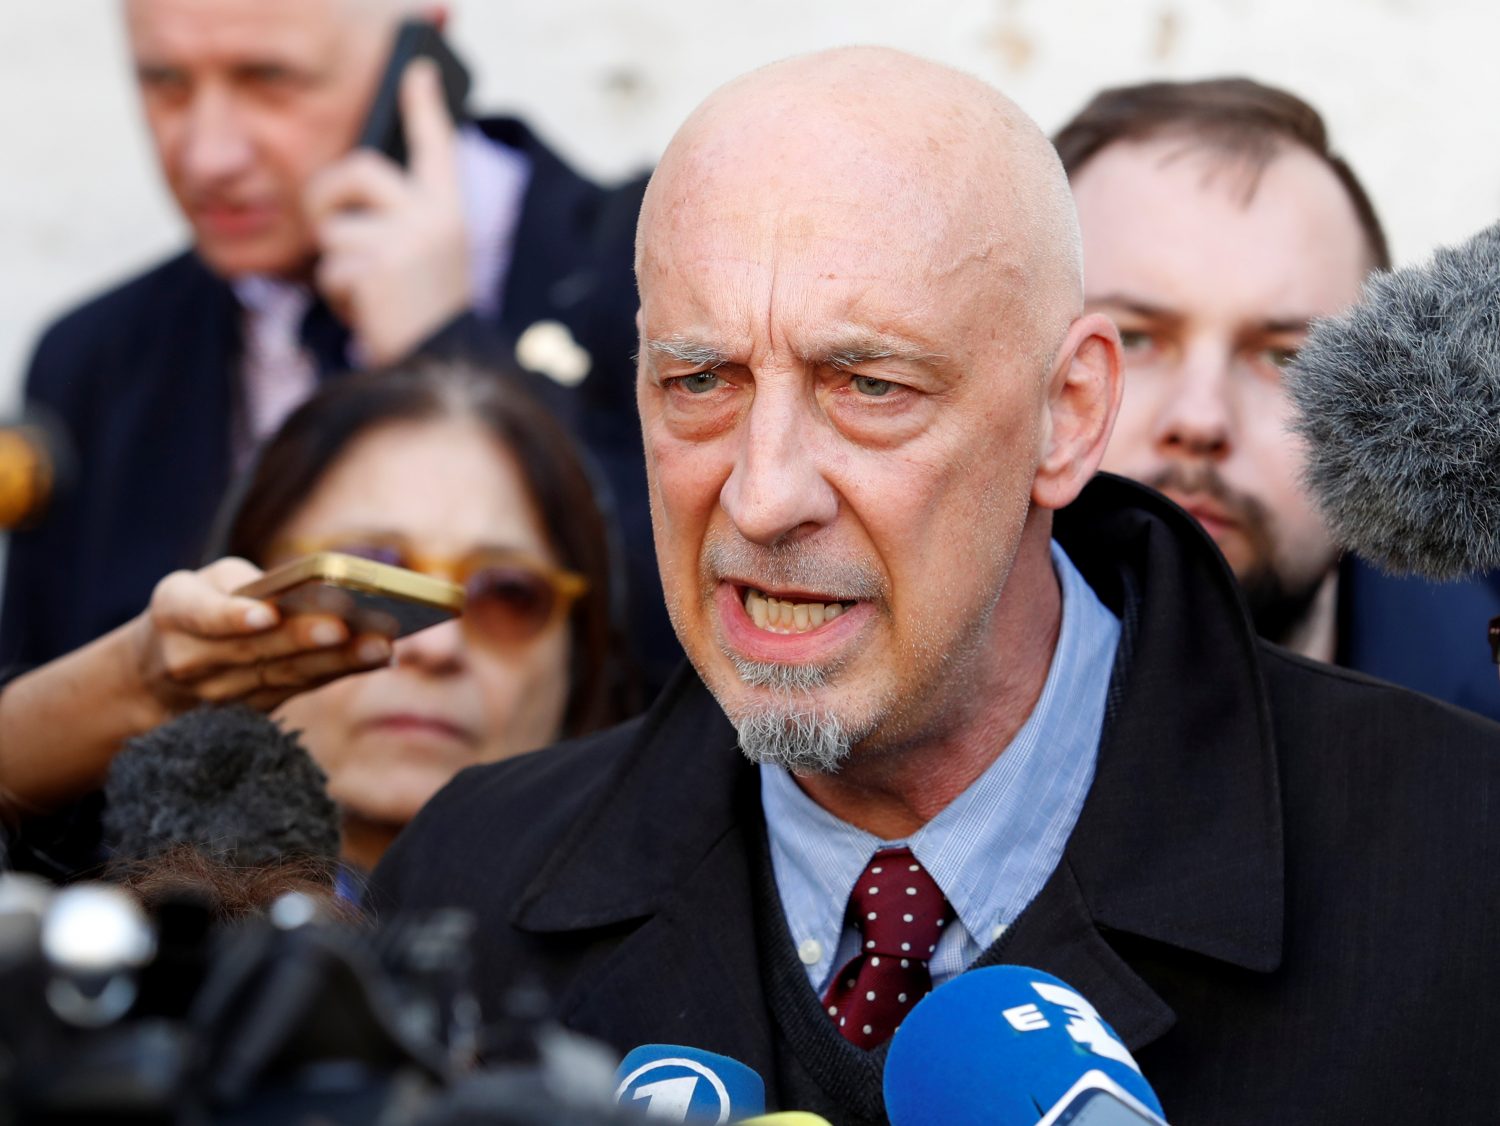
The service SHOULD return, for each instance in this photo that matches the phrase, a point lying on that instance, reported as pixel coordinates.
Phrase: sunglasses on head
(509, 597)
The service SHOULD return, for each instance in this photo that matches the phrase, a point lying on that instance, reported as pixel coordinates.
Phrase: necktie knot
(898, 907)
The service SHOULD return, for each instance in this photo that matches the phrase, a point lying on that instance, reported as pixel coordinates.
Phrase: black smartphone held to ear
(415, 39)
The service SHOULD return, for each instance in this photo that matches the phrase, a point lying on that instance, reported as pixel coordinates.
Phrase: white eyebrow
(689, 352)
(856, 352)
(847, 355)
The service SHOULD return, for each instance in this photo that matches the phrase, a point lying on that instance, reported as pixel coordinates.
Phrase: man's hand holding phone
(199, 642)
(395, 260)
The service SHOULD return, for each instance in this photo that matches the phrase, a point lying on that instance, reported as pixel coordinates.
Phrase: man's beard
(1278, 606)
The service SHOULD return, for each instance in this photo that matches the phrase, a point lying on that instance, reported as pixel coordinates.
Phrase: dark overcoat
(1277, 890)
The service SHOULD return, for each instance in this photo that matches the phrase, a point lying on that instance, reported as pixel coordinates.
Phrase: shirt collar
(493, 179)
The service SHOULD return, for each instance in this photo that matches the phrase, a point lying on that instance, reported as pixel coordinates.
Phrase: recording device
(371, 597)
(1097, 1100)
(114, 1017)
(677, 1084)
(1399, 402)
(225, 781)
(415, 39)
(36, 464)
(1011, 1045)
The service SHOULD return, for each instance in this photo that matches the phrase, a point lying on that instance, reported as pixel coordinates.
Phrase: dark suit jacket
(1266, 892)
(145, 380)
(1426, 635)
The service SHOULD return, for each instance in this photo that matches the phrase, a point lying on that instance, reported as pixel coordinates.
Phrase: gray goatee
(804, 742)
(788, 733)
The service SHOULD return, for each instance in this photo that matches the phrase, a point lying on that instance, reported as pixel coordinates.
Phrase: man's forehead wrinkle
(925, 172)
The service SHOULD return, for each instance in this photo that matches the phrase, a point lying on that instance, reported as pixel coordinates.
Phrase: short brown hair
(1238, 117)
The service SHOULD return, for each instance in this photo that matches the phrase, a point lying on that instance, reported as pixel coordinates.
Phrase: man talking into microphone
(953, 700)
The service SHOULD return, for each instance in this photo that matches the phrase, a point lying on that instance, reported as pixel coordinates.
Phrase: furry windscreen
(225, 780)
(1399, 401)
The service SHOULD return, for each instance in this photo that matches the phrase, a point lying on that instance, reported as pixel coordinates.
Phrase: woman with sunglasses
(459, 476)
(442, 469)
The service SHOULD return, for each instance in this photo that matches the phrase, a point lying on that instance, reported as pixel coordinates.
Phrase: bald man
(952, 700)
(309, 259)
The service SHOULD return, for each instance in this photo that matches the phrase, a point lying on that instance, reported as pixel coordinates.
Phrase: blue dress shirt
(995, 845)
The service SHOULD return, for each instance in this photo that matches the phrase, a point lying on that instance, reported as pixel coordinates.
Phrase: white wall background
(1411, 89)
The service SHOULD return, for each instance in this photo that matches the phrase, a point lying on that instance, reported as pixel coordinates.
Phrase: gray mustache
(793, 566)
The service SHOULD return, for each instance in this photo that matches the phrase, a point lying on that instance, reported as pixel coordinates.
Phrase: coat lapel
(688, 975)
(666, 860)
(1058, 934)
(1180, 839)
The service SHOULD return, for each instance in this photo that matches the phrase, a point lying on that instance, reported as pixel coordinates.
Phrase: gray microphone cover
(1398, 400)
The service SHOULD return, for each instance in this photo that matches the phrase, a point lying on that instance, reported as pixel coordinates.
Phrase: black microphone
(225, 782)
(1399, 402)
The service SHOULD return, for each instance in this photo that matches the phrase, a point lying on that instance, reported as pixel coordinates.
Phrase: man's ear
(1082, 402)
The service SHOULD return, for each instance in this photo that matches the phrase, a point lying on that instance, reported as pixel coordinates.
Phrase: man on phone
(310, 258)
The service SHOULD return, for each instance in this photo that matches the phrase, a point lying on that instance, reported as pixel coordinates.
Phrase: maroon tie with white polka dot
(900, 913)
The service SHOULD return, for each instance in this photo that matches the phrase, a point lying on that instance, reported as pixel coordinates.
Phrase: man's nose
(217, 143)
(777, 488)
(1196, 416)
(436, 650)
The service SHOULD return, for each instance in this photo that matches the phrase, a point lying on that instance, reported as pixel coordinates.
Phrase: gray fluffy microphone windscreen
(226, 782)
(1399, 402)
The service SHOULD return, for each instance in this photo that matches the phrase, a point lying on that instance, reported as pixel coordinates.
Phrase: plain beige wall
(1409, 86)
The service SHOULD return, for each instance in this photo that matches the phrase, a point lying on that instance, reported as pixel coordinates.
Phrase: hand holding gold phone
(370, 597)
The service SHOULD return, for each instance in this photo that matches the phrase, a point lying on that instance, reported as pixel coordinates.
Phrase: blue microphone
(679, 1084)
(1000, 1046)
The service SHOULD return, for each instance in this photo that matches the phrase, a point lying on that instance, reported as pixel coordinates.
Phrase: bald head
(865, 383)
(864, 145)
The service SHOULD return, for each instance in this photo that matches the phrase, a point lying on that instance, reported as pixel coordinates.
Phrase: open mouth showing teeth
(783, 615)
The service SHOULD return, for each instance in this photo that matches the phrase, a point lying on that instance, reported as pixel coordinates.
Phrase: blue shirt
(995, 845)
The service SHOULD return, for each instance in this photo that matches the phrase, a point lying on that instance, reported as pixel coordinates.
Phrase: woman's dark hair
(318, 433)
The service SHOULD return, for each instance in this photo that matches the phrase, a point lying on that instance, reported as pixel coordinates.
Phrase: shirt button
(997, 932)
(811, 952)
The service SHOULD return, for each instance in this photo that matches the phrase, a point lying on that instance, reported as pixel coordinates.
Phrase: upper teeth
(780, 615)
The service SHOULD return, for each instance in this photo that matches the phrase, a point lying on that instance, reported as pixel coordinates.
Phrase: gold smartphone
(371, 597)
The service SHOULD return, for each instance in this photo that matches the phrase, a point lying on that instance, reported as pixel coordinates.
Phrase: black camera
(114, 1016)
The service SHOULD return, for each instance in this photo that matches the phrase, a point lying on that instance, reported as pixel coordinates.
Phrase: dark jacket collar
(557, 260)
(671, 799)
(1179, 840)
